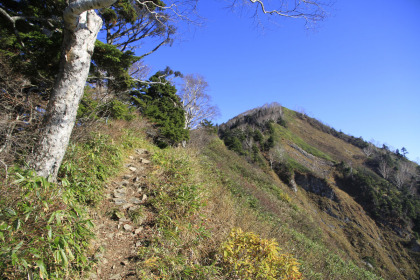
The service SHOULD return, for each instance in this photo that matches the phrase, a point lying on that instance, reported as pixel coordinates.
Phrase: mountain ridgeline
(271, 194)
(366, 198)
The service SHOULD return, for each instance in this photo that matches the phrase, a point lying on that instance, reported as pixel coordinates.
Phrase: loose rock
(119, 201)
(135, 200)
(118, 194)
(144, 161)
(127, 205)
(128, 227)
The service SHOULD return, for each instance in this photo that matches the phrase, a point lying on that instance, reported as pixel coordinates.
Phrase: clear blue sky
(359, 72)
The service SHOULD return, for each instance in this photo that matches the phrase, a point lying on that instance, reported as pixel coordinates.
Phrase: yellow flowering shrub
(247, 256)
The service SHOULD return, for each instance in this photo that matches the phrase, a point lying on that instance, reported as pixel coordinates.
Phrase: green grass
(44, 227)
(284, 133)
(175, 250)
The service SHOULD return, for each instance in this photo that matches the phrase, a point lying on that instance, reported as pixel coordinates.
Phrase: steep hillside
(372, 219)
(279, 197)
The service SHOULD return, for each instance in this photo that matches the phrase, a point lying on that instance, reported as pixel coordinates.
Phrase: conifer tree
(158, 101)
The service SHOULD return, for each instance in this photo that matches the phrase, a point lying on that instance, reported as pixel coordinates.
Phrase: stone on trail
(119, 194)
(127, 205)
(121, 190)
(135, 200)
(144, 161)
(119, 201)
(132, 168)
(115, 277)
(128, 227)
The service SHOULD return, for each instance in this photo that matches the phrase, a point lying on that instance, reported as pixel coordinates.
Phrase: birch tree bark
(82, 25)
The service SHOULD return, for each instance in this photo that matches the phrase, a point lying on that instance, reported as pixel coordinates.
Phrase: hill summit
(365, 198)
(270, 194)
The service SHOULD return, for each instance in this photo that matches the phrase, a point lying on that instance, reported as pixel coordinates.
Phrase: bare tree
(384, 167)
(369, 150)
(403, 174)
(196, 102)
(276, 154)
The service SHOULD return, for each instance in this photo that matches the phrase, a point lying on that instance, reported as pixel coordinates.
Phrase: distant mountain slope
(366, 198)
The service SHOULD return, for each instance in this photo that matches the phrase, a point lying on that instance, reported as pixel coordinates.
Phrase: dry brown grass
(327, 143)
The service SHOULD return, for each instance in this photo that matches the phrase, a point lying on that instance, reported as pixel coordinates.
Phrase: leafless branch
(12, 20)
(196, 102)
(181, 9)
(312, 11)
(139, 71)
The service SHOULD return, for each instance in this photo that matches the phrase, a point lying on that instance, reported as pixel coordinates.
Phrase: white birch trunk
(82, 25)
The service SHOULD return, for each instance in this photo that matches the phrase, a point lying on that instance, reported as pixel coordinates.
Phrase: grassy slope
(335, 148)
(347, 223)
(274, 211)
(198, 196)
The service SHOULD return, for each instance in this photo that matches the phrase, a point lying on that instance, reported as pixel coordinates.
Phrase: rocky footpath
(123, 221)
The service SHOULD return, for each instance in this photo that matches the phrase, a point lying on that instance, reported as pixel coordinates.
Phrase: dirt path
(122, 222)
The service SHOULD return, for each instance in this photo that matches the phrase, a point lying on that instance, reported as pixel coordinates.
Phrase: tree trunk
(82, 25)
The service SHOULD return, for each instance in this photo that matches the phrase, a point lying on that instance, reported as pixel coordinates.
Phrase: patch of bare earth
(122, 222)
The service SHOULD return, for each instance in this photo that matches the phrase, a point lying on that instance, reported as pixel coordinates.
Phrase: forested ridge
(109, 171)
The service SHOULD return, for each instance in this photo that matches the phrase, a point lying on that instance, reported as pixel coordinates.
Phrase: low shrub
(248, 256)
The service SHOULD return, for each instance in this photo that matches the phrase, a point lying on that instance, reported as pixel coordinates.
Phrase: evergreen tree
(31, 38)
(158, 101)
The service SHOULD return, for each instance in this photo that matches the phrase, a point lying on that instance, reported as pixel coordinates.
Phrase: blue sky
(358, 72)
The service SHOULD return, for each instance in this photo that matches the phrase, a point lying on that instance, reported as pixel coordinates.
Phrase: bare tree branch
(13, 20)
(311, 11)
